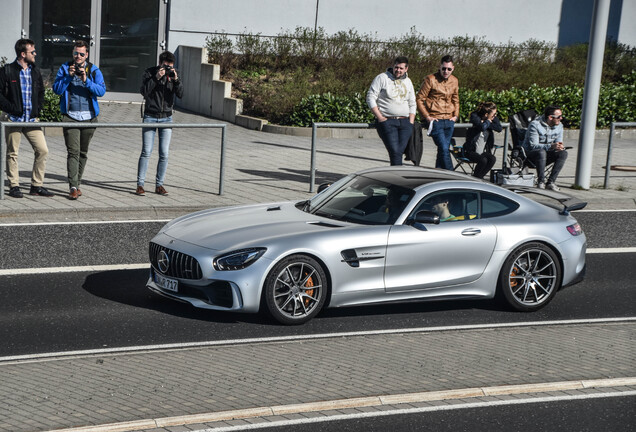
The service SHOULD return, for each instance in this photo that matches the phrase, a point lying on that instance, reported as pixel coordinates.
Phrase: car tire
(530, 277)
(295, 289)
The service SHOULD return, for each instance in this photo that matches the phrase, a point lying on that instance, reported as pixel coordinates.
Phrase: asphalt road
(599, 414)
(87, 310)
(54, 312)
(31, 246)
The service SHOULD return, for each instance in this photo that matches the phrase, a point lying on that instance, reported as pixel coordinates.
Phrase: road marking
(73, 269)
(611, 250)
(225, 342)
(374, 401)
(111, 267)
(85, 222)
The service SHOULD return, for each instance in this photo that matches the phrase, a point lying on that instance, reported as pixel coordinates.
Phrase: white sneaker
(553, 187)
(541, 185)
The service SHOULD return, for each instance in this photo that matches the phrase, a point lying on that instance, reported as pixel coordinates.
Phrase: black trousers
(485, 161)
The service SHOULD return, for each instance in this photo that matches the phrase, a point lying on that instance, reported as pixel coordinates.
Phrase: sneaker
(73, 194)
(15, 192)
(553, 187)
(541, 185)
(161, 190)
(140, 191)
(41, 191)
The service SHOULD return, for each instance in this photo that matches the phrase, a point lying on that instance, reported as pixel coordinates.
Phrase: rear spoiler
(568, 202)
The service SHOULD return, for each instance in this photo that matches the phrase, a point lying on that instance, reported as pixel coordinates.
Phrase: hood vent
(325, 224)
(273, 208)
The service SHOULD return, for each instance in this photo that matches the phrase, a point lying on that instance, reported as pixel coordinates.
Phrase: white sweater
(393, 97)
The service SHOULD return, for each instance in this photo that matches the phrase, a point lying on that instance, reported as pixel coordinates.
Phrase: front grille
(180, 265)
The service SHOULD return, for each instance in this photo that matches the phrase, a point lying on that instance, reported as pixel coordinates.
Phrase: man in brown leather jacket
(438, 103)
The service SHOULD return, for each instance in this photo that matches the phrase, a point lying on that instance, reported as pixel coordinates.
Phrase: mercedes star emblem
(163, 262)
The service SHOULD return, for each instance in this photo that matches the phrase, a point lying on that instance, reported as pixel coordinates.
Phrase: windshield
(362, 200)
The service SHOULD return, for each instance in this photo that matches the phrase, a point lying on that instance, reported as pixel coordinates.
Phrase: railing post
(222, 163)
(3, 159)
(312, 168)
(609, 155)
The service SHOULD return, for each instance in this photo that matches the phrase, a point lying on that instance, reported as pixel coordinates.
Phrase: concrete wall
(560, 21)
(205, 93)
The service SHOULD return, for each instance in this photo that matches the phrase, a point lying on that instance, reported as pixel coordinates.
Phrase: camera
(169, 71)
(79, 70)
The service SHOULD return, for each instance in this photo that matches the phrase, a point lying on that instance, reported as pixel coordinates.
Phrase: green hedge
(51, 109)
(617, 102)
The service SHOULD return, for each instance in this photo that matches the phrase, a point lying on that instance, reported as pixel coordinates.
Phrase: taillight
(575, 229)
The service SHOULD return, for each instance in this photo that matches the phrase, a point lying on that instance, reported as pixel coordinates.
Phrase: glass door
(128, 42)
(125, 37)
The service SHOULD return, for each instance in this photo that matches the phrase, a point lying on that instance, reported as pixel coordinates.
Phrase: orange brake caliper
(309, 283)
(513, 273)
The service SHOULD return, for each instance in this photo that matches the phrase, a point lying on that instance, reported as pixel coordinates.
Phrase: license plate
(166, 283)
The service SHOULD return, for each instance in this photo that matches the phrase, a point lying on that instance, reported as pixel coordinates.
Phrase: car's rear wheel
(295, 289)
(530, 277)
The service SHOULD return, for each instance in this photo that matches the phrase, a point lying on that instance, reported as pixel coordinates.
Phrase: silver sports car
(380, 235)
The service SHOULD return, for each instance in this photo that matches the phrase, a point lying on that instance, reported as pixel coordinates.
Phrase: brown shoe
(161, 190)
(140, 191)
(73, 195)
(79, 192)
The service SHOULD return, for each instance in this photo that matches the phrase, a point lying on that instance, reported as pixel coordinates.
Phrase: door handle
(471, 231)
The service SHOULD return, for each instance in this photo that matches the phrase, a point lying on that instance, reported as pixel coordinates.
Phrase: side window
(493, 205)
(451, 206)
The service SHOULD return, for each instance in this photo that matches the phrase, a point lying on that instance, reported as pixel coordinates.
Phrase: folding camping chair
(462, 162)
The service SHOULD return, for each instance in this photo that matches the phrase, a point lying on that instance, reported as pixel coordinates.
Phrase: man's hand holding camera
(77, 69)
(168, 71)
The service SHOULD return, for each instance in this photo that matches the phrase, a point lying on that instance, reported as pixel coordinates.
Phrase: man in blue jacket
(79, 82)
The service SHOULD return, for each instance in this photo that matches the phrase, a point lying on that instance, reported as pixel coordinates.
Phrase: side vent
(350, 257)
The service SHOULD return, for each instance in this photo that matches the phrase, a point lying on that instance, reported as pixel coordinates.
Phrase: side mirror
(426, 217)
(323, 186)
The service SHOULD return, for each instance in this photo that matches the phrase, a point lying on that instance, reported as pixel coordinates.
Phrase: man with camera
(79, 83)
(160, 85)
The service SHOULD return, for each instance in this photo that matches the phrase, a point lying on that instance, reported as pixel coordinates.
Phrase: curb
(354, 403)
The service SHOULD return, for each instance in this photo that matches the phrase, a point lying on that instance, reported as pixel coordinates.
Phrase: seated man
(544, 145)
(440, 207)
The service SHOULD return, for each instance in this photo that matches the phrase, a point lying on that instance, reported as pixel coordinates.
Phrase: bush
(290, 77)
(617, 102)
(51, 109)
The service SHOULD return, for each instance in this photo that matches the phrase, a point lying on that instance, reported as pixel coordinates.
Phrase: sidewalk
(266, 381)
(260, 167)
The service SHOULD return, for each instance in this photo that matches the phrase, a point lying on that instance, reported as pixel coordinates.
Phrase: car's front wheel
(530, 277)
(295, 289)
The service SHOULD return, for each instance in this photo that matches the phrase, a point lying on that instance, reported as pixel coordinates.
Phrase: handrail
(613, 126)
(314, 136)
(80, 125)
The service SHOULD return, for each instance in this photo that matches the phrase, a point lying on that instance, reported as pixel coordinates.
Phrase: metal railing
(4, 125)
(608, 166)
(314, 138)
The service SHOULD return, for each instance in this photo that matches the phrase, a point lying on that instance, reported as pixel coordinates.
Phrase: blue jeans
(395, 134)
(442, 133)
(148, 142)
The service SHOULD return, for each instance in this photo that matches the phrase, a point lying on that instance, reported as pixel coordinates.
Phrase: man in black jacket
(22, 98)
(160, 85)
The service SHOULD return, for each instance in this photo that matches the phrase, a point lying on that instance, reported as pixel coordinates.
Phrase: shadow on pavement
(128, 287)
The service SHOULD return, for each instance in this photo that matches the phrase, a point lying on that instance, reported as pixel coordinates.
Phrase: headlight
(239, 259)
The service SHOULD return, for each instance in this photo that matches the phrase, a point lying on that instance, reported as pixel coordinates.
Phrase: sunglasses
(447, 69)
(75, 53)
(32, 52)
(556, 117)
